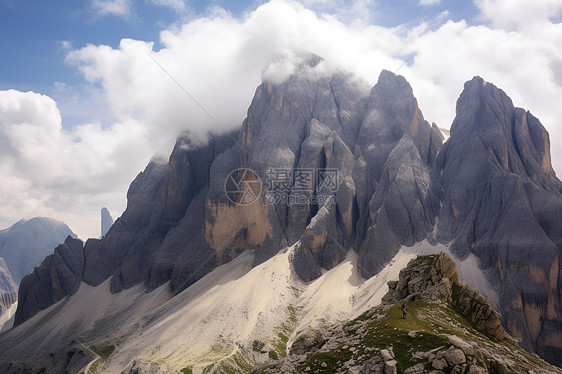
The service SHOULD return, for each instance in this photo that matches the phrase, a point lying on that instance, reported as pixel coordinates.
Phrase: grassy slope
(432, 323)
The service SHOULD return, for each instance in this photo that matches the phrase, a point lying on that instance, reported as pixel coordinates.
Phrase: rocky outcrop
(8, 289)
(430, 277)
(477, 309)
(106, 221)
(7, 283)
(436, 278)
(141, 367)
(56, 277)
(441, 334)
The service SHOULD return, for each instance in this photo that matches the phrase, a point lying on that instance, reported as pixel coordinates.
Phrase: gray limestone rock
(390, 367)
(439, 364)
(455, 356)
(56, 277)
(8, 289)
(497, 177)
(143, 367)
(467, 348)
(416, 369)
(7, 283)
(399, 147)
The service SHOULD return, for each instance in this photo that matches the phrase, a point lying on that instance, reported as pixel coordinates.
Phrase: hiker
(404, 311)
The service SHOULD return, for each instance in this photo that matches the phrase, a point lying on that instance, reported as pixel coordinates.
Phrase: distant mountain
(8, 294)
(22, 247)
(26, 243)
(7, 283)
(106, 221)
(285, 223)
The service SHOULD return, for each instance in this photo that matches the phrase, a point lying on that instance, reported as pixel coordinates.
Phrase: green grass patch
(393, 331)
(284, 331)
(292, 314)
(238, 363)
(96, 365)
(104, 352)
(186, 370)
(332, 360)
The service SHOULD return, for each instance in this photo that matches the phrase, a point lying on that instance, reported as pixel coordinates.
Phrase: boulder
(390, 367)
(455, 356)
(467, 348)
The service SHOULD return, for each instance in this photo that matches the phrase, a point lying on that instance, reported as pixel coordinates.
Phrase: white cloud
(519, 14)
(219, 60)
(64, 45)
(176, 5)
(429, 2)
(46, 170)
(120, 8)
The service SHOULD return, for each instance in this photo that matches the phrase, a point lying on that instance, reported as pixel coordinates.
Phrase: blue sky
(84, 108)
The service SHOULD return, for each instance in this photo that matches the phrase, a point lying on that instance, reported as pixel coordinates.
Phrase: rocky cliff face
(8, 289)
(502, 202)
(7, 283)
(490, 187)
(63, 270)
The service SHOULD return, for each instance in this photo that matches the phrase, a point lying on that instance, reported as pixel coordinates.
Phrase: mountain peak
(477, 90)
(394, 83)
(475, 81)
(106, 221)
(282, 67)
(24, 244)
(507, 138)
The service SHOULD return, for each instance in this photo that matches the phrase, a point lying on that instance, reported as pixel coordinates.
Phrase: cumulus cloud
(519, 14)
(120, 8)
(429, 2)
(219, 60)
(176, 5)
(46, 170)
